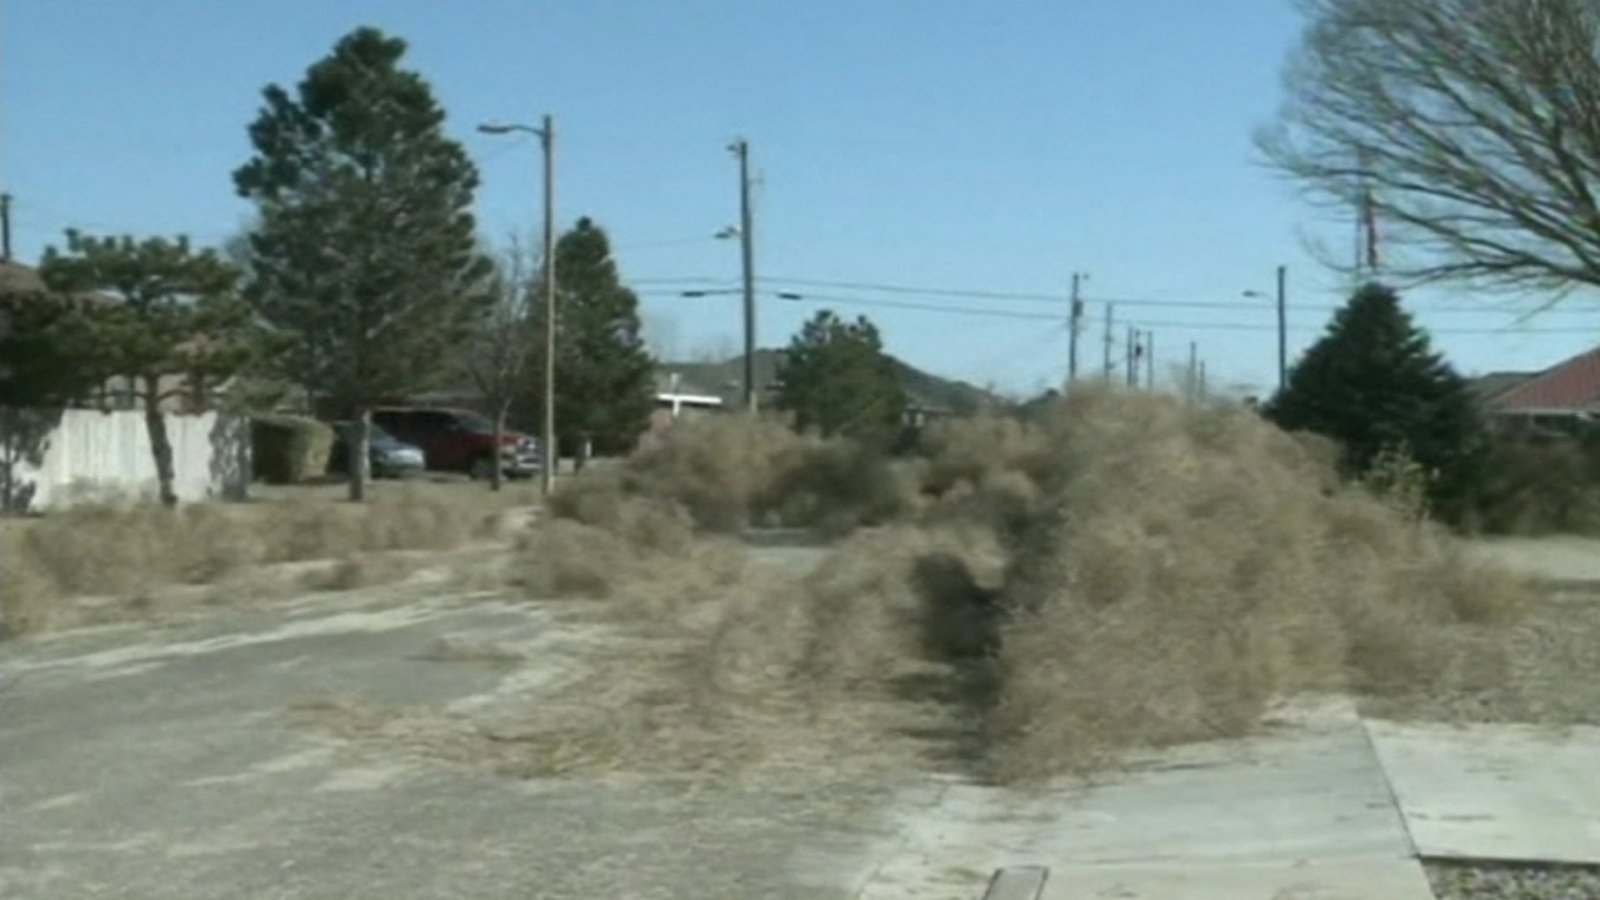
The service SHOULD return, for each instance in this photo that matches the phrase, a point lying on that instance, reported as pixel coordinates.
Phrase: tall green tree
(47, 361)
(364, 251)
(46, 356)
(605, 377)
(1374, 384)
(836, 379)
(158, 312)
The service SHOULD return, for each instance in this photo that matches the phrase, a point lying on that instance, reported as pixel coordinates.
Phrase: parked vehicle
(389, 457)
(458, 440)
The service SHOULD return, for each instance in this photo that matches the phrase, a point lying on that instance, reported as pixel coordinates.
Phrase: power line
(1145, 323)
(1057, 299)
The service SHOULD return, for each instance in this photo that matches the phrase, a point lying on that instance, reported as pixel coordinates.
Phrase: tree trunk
(361, 456)
(8, 459)
(497, 474)
(160, 447)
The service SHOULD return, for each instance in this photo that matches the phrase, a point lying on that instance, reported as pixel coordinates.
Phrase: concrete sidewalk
(1304, 811)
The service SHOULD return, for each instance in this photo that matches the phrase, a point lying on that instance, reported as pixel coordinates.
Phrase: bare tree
(503, 341)
(1471, 127)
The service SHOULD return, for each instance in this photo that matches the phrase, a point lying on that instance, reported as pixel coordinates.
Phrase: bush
(289, 449)
(729, 473)
(111, 550)
(1191, 565)
(1538, 486)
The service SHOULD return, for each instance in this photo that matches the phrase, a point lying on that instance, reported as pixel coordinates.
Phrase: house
(178, 393)
(1564, 398)
(677, 398)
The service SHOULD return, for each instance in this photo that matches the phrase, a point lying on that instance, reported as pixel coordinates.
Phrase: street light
(551, 453)
(1283, 324)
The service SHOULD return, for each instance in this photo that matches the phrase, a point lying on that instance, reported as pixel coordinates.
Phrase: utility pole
(741, 149)
(1192, 383)
(1283, 328)
(1202, 381)
(5, 228)
(1111, 310)
(1149, 360)
(1131, 363)
(1077, 326)
(550, 453)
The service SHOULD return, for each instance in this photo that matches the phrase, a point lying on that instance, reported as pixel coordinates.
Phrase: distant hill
(725, 379)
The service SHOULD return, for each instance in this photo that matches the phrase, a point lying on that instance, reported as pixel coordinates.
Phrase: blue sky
(993, 146)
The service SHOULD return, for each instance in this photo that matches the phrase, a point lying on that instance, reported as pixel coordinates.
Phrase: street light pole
(741, 149)
(1283, 329)
(1283, 324)
(550, 453)
(1076, 324)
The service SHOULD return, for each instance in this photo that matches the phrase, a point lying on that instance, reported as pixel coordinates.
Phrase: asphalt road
(174, 762)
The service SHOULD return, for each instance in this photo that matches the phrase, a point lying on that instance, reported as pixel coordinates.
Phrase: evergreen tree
(605, 378)
(46, 355)
(157, 312)
(47, 361)
(837, 379)
(364, 251)
(1373, 383)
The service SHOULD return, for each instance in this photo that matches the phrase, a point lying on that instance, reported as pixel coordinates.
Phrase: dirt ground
(436, 739)
(393, 742)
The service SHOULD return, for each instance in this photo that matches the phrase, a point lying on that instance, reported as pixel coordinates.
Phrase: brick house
(1564, 398)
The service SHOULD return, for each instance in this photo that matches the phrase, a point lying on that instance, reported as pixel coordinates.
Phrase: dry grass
(730, 473)
(127, 550)
(1192, 566)
(639, 554)
(1134, 573)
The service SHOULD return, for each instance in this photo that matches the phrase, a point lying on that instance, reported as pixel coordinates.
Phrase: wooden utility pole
(1149, 360)
(1283, 328)
(1202, 381)
(550, 453)
(1076, 323)
(1111, 311)
(1191, 386)
(1129, 373)
(741, 149)
(5, 228)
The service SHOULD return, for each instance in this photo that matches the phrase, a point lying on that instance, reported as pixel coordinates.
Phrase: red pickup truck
(459, 440)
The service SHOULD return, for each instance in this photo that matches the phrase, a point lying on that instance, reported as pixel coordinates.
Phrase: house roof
(683, 386)
(1573, 385)
(16, 278)
(1487, 387)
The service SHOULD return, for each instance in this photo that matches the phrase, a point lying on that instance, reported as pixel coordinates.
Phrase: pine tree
(605, 377)
(1374, 384)
(157, 312)
(837, 379)
(365, 249)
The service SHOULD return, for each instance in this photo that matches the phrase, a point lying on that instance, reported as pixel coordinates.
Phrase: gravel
(1544, 670)
(1506, 881)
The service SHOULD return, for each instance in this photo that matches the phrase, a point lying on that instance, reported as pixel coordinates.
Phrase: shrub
(289, 449)
(1191, 565)
(127, 549)
(1539, 486)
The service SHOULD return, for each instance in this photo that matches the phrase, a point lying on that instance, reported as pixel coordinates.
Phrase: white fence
(51, 458)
